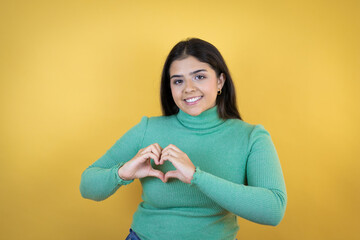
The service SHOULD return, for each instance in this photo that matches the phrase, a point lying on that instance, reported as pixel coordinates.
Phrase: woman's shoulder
(156, 120)
(237, 123)
(160, 119)
(246, 127)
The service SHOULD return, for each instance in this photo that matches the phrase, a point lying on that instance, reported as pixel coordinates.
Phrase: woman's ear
(221, 80)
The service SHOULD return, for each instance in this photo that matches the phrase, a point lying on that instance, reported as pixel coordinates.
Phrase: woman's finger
(158, 147)
(175, 148)
(172, 174)
(174, 160)
(147, 155)
(158, 151)
(153, 149)
(157, 173)
(171, 152)
(145, 150)
(166, 156)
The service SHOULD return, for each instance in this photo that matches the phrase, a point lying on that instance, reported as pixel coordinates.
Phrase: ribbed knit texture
(237, 173)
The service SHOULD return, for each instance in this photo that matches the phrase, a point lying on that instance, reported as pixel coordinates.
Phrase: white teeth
(192, 99)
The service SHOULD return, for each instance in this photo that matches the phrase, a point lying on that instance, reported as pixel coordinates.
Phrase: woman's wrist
(192, 176)
(122, 174)
(195, 176)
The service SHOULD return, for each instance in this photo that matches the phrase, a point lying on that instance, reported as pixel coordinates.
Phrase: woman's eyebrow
(192, 73)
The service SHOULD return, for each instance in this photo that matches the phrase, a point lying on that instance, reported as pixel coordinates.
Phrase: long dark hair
(207, 53)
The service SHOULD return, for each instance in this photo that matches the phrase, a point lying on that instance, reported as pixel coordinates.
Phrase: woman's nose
(189, 86)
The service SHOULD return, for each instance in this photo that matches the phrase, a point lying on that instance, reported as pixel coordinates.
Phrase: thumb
(171, 174)
(157, 173)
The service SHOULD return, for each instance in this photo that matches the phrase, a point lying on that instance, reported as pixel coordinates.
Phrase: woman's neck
(205, 120)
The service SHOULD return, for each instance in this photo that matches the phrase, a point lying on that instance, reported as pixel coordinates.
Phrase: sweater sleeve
(263, 200)
(101, 179)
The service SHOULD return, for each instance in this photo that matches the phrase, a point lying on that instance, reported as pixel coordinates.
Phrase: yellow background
(76, 75)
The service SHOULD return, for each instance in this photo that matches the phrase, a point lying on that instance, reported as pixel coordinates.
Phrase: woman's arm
(101, 179)
(264, 199)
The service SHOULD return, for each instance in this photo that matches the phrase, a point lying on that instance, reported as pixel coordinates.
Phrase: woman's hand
(184, 167)
(140, 166)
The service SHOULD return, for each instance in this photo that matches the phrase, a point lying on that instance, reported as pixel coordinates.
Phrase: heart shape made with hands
(184, 167)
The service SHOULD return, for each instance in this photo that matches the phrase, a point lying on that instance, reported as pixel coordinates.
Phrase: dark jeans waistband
(132, 236)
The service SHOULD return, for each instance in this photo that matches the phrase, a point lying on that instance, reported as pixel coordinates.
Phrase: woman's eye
(177, 82)
(199, 77)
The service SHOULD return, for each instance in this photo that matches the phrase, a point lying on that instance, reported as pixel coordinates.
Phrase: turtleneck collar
(205, 120)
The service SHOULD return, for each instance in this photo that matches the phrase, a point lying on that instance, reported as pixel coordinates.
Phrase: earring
(219, 92)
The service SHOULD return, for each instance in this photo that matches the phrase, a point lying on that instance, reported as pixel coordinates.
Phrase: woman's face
(194, 85)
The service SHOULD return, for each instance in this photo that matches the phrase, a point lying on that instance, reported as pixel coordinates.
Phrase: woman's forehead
(187, 65)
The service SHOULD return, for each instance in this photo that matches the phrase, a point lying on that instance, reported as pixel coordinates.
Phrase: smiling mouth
(192, 100)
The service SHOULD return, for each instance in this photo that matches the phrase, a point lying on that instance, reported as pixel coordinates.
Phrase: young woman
(200, 164)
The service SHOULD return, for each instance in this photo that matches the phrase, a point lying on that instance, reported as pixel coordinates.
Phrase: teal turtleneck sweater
(238, 173)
